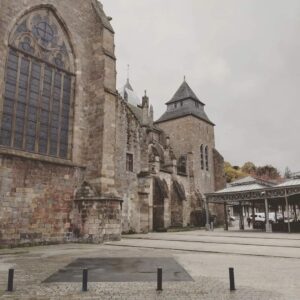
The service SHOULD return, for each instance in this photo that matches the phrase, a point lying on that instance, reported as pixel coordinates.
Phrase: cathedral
(81, 160)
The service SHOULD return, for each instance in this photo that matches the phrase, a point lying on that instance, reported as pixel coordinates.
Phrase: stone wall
(187, 134)
(219, 173)
(36, 200)
(96, 220)
(220, 183)
(37, 192)
(150, 198)
(129, 137)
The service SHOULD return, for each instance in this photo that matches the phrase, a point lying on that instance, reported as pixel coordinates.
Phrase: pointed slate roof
(182, 104)
(129, 95)
(128, 85)
(184, 92)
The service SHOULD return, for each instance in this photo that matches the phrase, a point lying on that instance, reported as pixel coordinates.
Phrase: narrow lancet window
(206, 159)
(202, 157)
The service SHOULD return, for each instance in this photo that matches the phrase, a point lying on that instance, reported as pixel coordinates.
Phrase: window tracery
(37, 106)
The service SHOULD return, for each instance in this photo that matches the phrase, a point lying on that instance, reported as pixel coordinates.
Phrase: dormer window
(197, 104)
(181, 103)
(175, 105)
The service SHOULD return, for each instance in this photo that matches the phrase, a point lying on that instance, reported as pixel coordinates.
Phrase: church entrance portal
(158, 204)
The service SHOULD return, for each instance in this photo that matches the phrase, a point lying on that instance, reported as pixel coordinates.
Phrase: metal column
(225, 217)
(242, 227)
(287, 211)
(268, 225)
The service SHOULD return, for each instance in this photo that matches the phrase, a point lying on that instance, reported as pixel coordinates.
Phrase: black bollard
(85, 280)
(231, 279)
(10, 283)
(159, 279)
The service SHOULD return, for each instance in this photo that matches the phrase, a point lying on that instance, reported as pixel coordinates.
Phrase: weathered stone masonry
(79, 161)
(36, 200)
(38, 193)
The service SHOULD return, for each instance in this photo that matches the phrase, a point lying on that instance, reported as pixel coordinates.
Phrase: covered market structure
(279, 202)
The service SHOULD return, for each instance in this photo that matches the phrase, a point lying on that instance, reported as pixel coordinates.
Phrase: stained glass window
(37, 104)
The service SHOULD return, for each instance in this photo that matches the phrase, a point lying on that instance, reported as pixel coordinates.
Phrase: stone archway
(160, 192)
(177, 197)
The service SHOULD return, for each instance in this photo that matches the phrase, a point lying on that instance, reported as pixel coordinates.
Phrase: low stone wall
(96, 220)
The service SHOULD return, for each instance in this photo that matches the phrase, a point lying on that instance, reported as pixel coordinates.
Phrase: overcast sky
(241, 58)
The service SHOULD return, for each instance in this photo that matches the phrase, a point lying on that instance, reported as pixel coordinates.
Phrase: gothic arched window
(206, 159)
(202, 157)
(182, 164)
(39, 77)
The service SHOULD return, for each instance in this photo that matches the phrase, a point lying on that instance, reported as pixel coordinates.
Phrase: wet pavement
(121, 269)
(267, 267)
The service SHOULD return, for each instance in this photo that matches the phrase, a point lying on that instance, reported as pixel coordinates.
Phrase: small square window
(129, 162)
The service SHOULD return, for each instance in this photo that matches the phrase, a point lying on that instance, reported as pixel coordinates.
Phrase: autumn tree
(267, 172)
(232, 173)
(249, 168)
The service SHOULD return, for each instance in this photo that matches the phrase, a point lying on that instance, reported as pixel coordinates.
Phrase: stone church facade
(80, 161)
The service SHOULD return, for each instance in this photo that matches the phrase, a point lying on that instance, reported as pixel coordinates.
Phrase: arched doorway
(177, 197)
(160, 192)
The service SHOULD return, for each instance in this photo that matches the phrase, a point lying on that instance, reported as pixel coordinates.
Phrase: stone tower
(186, 122)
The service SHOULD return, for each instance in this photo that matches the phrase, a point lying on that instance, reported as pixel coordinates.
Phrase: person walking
(249, 221)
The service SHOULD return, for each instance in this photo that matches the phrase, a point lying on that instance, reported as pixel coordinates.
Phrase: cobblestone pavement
(257, 277)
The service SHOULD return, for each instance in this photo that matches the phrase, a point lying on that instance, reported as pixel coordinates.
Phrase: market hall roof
(248, 183)
(184, 103)
(247, 189)
(291, 182)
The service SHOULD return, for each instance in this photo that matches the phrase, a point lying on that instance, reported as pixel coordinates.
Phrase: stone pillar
(145, 109)
(95, 219)
(157, 165)
(253, 214)
(174, 166)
